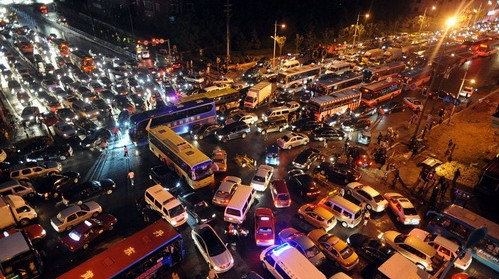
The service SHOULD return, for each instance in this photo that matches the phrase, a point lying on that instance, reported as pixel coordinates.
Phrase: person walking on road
(131, 177)
(104, 145)
(116, 132)
(125, 150)
(367, 216)
(457, 174)
(444, 185)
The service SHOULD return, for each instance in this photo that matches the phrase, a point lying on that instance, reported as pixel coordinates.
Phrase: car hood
(390, 236)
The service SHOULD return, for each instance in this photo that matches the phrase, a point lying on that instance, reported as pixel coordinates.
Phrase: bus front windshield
(201, 171)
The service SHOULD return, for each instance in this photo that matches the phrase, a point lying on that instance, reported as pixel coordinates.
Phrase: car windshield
(265, 230)
(400, 238)
(410, 211)
(285, 138)
(258, 179)
(283, 197)
(60, 217)
(201, 171)
(312, 252)
(213, 244)
(176, 211)
(346, 253)
(218, 160)
(378, 198)
(223, 194)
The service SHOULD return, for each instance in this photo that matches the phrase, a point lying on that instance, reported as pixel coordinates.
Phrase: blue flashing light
(280, 249)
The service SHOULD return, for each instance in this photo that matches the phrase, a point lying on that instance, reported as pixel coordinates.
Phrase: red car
(35, 232)
(264, 227)
(87, 231)
(49, 118)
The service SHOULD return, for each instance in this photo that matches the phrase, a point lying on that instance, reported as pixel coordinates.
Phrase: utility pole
(227, 11)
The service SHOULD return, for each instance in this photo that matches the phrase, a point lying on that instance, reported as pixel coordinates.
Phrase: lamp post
(458, 92)
(423, 18)
(275, 41)
(357, 27)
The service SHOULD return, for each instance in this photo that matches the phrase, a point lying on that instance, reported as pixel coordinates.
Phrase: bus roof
(148, 114)
(347, 93)
(125, 253)
(189, 154)
(473, 219)
(382, 67)
(409, 73)
(380, 84)
(12, 246)
(297, 70)
(210, 94)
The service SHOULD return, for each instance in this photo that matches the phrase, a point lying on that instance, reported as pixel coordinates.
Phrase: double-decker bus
(24, 45)
(60, 46)
(83, 60)
(456, 223)
(338, 102)
(179, 117)
(298, 75)
(415, 77)
(18, 257)
(179, 155)
(151, 251)
(224, 98)
(384, 71)
(331, 84)
(380, 91)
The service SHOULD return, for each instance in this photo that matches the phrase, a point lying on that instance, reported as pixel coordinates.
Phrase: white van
(239, 204)
(159, 199)
(285, 261)
(289, 65)
(282, 111)
(346, 212)
(17, 187)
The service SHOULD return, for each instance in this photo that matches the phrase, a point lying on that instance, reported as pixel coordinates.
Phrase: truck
(258, 94)
(14, 210)
(374, 54)
(392, 54)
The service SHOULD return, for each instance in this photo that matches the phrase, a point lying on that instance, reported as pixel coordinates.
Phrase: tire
(398, 218)
(109, 192)
(95, 214)
(31, 195)
(263, 132)
(79, 202)
(323, 172)
(344, 224)
(288, 147)
(419, 265)
(56, 195)
(264, 266)
(52, 173)
(349, 192)
(281, 129)
(243, 135)
(298, 129)
(224, 140)
(85, 246)
(24, 222)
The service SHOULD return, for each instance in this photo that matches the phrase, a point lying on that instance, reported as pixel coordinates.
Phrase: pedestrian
(131, 177)
(116, 132)
(325, 142)
(145, 214)
(451, 151)
(125, 150)
(450, 144)
(380, 138)
(104, 144)
(396, 177)
(443, 188)
(457, 174)
(341, 192)
(367, 216)
(434, 195)
(212, 274)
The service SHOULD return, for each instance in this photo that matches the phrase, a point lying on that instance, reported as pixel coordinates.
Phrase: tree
(328, 35)
(298, 42)
(255, 42)
(310, 38)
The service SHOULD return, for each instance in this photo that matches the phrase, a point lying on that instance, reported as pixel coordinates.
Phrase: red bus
(380, 91)
(83, 60)
(149, 252)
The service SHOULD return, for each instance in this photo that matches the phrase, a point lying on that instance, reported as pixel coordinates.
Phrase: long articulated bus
(83, 60)
(456, 223)
(384, 71)
(179, 155)
(180, 117)
(224, 98)
(330, 85)
(60, 46)
(377, 92)
(415, 77)
(298, 75)
(338, 102)
(151, 251)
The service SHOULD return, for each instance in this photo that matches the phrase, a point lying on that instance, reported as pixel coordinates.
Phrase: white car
(226, 189)
(73, 215)
(212, 248)
(262, 177)
(403, 208)
(466, 92)
(293, 106)
(64, 130)
(413, 103)
(225, 81)
(246, 117)
(445, 248)
(219, 158)
(364, 193)
(291, 140)
(195, 78)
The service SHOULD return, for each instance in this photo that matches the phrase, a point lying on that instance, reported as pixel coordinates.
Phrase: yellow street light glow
(367, 15)
(451, 21)
(433, 7)
(472, 81)
(283, 25)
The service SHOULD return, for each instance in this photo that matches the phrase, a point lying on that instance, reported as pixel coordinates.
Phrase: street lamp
(275, 41)
(472, 81)
(424, 17)
(357, 27)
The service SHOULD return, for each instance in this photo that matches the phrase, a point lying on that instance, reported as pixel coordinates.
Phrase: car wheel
(225, 140)
(298, 129)
(56, 195)
(109, 192)
(24, 222)
(419, 265)
(243, 135)
(263, 132)
(75, 180)
(95, 214)
(281, 129)
(52, 173)
(85, 246)
(264, 266)
(31, 195)
(79, 202)
(336, 264)
(288, 147)
(323, 172)
(344, 224)
(349, 192)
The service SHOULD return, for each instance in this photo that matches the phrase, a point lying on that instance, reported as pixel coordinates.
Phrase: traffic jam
(263, 167)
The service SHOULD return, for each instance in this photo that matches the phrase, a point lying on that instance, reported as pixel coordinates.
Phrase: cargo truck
(258, 94)
(14, 210)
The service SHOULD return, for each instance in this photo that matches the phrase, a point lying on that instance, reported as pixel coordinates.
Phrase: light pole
(458, 92)
(275, 41)
(357, 27)
(424, 18)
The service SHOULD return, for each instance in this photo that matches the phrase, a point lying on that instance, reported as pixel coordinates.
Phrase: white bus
(327, 84)
(187, 161)
(339, 67)
(338, 102)
(415, 77)
(298, 75)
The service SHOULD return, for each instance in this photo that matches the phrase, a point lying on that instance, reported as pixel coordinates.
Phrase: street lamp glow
(472, 81)
(451, 22)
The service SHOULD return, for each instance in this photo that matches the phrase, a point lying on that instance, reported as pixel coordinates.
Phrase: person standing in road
(131, 177)
(116, 132)
(367, 216)
(341, 192)
(457, 174)
(125, 150)
(443, 187)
